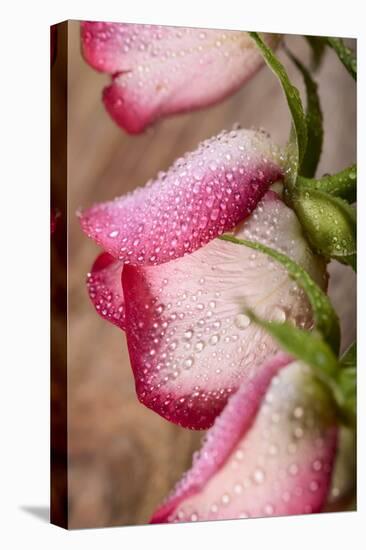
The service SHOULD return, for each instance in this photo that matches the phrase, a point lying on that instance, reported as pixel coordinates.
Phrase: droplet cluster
(104, 286)
(281, 465)
(191, 345)
(203, 194)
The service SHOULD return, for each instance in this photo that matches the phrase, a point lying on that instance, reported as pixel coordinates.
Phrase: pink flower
(270, 453)
(180, 294)
(158, 71)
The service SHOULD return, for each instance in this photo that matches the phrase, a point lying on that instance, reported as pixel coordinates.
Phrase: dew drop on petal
(242, 321)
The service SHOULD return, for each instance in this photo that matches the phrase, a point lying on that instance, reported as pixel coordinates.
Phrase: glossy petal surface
(190, 344)
(203, 194)
(160, 70)
(276, 462)
(105, 289)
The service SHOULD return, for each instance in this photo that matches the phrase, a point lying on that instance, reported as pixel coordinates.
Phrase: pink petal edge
(161, 70)
(203, 194)
(189, 342)
(270, 453)
(104, 286)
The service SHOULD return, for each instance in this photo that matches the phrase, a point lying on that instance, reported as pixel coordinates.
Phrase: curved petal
(202, 195)
(276, 462)
(190, 344)
(161, 71)
(105, 289)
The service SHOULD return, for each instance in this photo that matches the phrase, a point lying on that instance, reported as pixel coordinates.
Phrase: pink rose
(179, 294)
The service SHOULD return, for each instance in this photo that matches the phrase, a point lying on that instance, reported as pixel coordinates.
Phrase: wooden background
(123, 458)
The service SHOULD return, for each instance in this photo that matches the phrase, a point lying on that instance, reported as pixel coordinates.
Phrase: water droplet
(298, 432)
(268, 509)
(199, 346)
(314, 486)
(273, 450)
(293, 469)
(214, 214)
(225, 499)
(238, 488)
(188, 362)
(298, 412)
(214, 339)
(239, 455)
(317, 465)
(279, 314)
(258, 476)
(242, 321)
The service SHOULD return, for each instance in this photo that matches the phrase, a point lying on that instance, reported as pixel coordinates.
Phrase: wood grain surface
(123, 458)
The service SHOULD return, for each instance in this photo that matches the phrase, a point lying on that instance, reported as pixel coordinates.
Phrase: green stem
(345, 55)
(296, 146)
(343, 184)
(317, 45)
(314, 120)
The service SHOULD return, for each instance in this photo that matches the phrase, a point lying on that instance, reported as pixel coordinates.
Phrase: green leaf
(350, 260)
(347, 381)
(329, 222)
(314, 121)
(298, 138)
(342, 185)
(349, 358)
(305, 346)
(310, 348)
(317, 45)
(325, 318)
(345, 54)
(302, 344)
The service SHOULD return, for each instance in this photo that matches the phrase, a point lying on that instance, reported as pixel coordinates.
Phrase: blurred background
(123, 458)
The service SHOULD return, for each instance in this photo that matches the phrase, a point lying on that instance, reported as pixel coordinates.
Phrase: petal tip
(105, 291)
(127, 115)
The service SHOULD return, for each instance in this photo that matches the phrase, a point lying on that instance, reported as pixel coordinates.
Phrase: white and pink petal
(159, 70)
(270, 453)
(203, 194)
(104, 284)
(190, 343)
